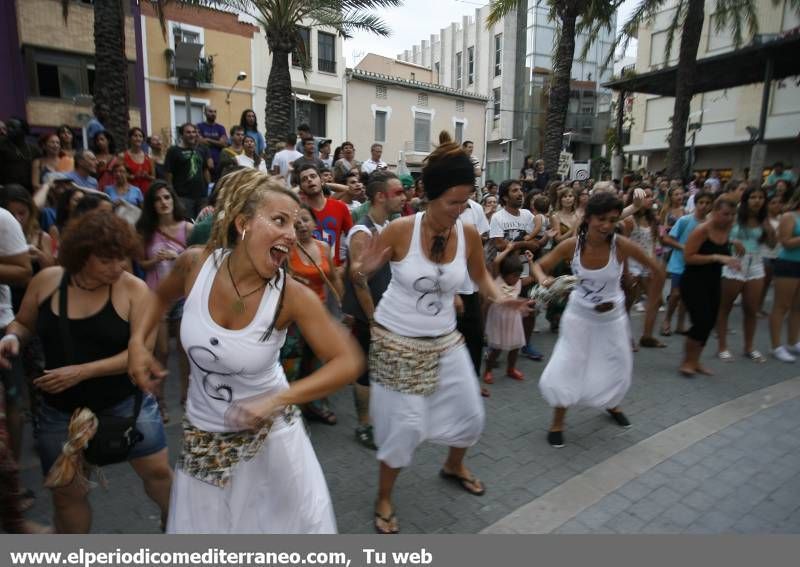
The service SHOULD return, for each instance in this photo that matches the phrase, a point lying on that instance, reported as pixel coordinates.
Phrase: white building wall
(323, 87)
(724, 115)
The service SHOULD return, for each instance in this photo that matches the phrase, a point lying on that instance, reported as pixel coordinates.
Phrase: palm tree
(571, 17)
(739, 15)
(281, 21)
(111, 65)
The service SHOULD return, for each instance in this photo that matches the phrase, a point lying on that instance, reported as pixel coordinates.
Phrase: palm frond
(500, 9)
(676, 22)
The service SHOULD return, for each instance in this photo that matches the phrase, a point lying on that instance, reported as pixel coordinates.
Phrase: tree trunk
(684, 86)
(111, 67)
(279, 100)
(560, 87)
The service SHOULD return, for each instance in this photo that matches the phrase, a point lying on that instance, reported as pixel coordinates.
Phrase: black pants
(360, 331)
(701, 297)
(470, 324)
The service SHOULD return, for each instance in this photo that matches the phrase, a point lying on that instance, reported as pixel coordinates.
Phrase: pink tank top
(159, 242)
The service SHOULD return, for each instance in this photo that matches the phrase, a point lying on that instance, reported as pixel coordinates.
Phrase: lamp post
(240, 77)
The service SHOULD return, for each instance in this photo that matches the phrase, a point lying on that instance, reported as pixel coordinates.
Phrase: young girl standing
(504, 328)
(769, 253)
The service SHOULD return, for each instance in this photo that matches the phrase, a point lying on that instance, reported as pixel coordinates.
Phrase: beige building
(721, 118)
(58, 62)
(227, 47)
(406, 115)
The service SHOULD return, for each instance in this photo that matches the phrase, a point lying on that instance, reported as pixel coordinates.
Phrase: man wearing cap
(324, 148)
(212, 135)
(375, 161)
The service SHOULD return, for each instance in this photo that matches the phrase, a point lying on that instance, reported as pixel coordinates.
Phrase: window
(459, 132)
(302, 53)
(422, 99)
(65, 75)
(459, 106)
(380, 125)
(496, 97)
(183, 35)
(422, 132)
(312, 113)
(436, 71)
(498, 54)
(327, 52)
(179, 113)
(458, 70)
(413, 76)
(380, 91)
(470, 65)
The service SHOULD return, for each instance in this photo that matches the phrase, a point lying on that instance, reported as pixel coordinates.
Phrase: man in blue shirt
(676, 238)
(96, 124)
(212, 135)
(85, 169)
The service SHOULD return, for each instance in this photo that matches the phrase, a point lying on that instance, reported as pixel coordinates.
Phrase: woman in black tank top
(100, 300)
(706, 251)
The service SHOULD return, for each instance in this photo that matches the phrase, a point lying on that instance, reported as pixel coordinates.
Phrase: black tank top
(712, 271)
(98, 336)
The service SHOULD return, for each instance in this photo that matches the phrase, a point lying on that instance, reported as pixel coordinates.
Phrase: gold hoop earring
(243, 233)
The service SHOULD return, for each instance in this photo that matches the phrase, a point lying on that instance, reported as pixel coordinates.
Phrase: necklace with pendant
(238, 304)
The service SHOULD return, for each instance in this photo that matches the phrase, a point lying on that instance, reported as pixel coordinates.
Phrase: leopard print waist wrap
(408, 365)
(211, 456)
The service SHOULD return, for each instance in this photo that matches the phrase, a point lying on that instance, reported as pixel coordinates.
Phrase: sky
(417, 20)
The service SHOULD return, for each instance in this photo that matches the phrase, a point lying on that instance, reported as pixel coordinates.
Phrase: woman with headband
(424, 386)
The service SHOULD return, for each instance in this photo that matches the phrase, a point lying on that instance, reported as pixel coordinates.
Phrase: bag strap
(63, 320)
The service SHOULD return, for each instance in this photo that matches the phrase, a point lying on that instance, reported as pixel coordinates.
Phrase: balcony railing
(326, 65)
(203, 74)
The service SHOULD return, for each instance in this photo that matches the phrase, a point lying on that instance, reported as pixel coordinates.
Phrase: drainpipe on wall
(136, 12)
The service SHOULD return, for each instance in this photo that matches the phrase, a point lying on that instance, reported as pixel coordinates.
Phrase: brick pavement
(512, 458)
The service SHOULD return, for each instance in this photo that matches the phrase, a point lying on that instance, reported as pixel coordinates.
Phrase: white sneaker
(794, 349)
(639, 307)
(782, 354)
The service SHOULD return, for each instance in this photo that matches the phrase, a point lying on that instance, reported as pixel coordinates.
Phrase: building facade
(49, 63)
(224, 38)
(318, 96)
(406, 115)
(719, 119)
(511, 64)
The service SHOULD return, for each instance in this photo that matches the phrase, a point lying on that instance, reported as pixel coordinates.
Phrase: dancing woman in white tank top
(424, 386)
(591, 364)
(247, 465)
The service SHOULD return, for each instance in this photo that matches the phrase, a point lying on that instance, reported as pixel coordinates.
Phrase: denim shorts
(675, 280)
(51, 429)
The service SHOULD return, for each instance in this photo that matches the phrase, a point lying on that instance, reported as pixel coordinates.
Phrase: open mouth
(278, 254)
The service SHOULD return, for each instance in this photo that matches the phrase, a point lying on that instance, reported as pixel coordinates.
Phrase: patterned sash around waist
(408, 365)
(211, 456)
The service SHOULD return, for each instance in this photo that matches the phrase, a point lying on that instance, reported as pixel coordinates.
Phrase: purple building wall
(13, 92)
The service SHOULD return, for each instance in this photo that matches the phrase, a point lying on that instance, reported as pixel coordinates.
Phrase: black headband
(440, 176)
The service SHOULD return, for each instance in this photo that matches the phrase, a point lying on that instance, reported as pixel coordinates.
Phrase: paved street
(704, 455)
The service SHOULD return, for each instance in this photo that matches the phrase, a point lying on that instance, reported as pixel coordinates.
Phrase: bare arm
(358, 243)
(562, 252)
(40, 195)
(16, 269)
(785, 231)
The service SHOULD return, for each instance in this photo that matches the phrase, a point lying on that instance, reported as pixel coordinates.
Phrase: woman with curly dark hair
(164, 234)
(101, 301)
(249, 122)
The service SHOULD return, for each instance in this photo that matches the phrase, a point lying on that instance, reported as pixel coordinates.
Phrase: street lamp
(240, 77)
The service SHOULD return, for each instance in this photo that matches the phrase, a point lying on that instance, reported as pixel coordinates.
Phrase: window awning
(743, 66)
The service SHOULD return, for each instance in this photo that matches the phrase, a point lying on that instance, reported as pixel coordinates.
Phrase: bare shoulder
(296, 299)
(46, 281)
(133, 285)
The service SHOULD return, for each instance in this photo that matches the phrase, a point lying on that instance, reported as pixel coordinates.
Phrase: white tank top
(225, 365)
(419, 299)
(598, 286)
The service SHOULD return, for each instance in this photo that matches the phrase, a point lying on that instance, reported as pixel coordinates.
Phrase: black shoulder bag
(115, 436)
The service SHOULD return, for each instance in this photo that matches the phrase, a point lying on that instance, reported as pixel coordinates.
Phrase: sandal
(487, 377)
(515, 374)
(725, 356)
(651, 342)
(322, 415)
(755, 356)
(364, 436)
(471, 484)
(666, 332)
(485, 392)
(386, 529)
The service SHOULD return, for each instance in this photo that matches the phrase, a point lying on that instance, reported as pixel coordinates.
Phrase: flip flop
(464, 482)
(387, 521)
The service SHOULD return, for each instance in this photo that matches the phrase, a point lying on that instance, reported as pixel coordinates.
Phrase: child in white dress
(503, 325)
